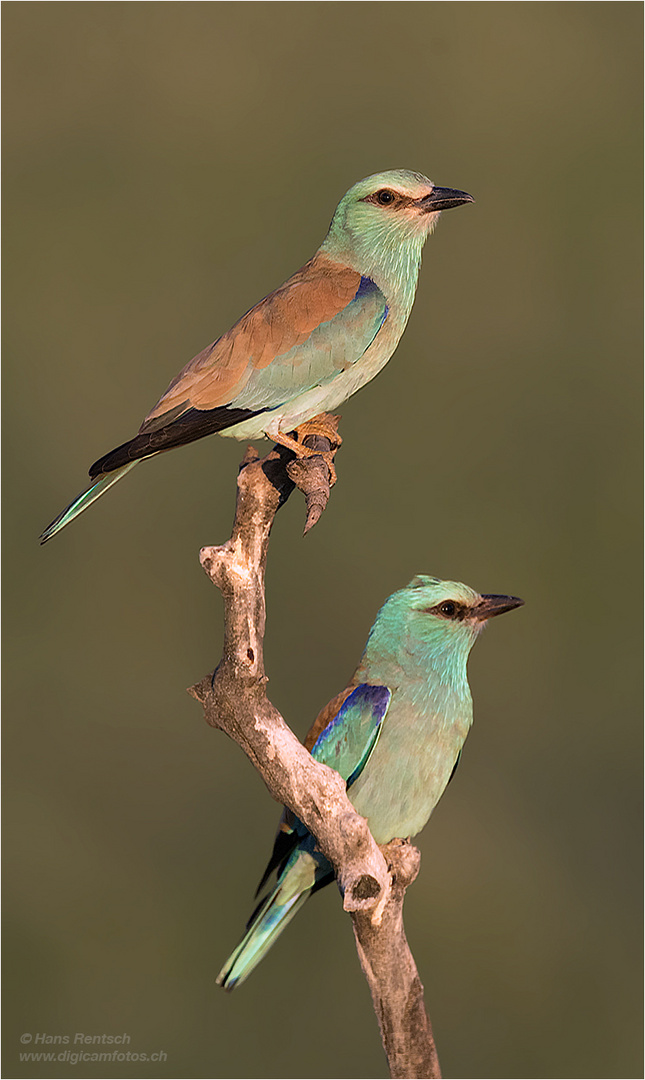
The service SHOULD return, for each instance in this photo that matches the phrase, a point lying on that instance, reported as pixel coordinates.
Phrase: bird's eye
(385, 197)
(448, 609)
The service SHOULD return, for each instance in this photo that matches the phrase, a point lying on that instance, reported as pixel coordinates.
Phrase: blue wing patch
(367, 287)
(349, 739)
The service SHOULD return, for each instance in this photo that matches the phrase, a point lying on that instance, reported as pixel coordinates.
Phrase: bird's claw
(324, 426)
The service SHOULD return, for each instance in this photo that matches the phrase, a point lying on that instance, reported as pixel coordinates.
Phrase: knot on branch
(210, 559)
(366, 888)
(403, 861)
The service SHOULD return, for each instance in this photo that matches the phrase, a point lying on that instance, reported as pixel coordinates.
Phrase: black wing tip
(286, 840)
(116, 459)
(191, 425)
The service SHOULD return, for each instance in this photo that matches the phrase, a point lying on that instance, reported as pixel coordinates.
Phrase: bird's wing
(318, 323)
(345, 744)
(349, 739)
(304, 334)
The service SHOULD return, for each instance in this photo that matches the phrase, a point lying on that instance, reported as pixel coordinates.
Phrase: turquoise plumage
(394, 735)
(306, 347)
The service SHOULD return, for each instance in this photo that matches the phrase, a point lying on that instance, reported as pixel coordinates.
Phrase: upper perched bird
(394, 734)
(307, 346)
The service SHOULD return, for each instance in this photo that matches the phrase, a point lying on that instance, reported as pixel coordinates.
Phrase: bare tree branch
(234, 699)
(392, 976)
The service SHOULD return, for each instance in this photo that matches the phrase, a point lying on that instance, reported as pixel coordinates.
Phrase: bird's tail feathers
(82, 501)
(270, 918)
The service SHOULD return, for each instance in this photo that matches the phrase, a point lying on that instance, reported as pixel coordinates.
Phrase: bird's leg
(325, 425)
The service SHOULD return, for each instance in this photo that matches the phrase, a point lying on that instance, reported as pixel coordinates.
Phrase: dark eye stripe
(397, 201)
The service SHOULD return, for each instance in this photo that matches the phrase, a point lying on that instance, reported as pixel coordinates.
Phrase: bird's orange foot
(324, 426)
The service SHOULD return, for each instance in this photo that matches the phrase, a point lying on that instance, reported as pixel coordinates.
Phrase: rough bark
(392, 976)
(372, 880)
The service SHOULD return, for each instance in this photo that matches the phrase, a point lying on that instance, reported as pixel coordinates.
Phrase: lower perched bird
(394, 734)
(306, 347)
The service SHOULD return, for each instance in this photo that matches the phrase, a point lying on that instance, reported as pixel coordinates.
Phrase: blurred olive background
(165, 166)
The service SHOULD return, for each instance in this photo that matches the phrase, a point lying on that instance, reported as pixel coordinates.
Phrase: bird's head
(435, 622)
(449, 609)
(386, 217)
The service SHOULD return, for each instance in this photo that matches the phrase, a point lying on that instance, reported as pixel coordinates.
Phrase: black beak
(492, 604)
(443, 198)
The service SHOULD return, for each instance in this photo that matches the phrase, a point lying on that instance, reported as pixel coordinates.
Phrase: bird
(395, 735)
(307, 346)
